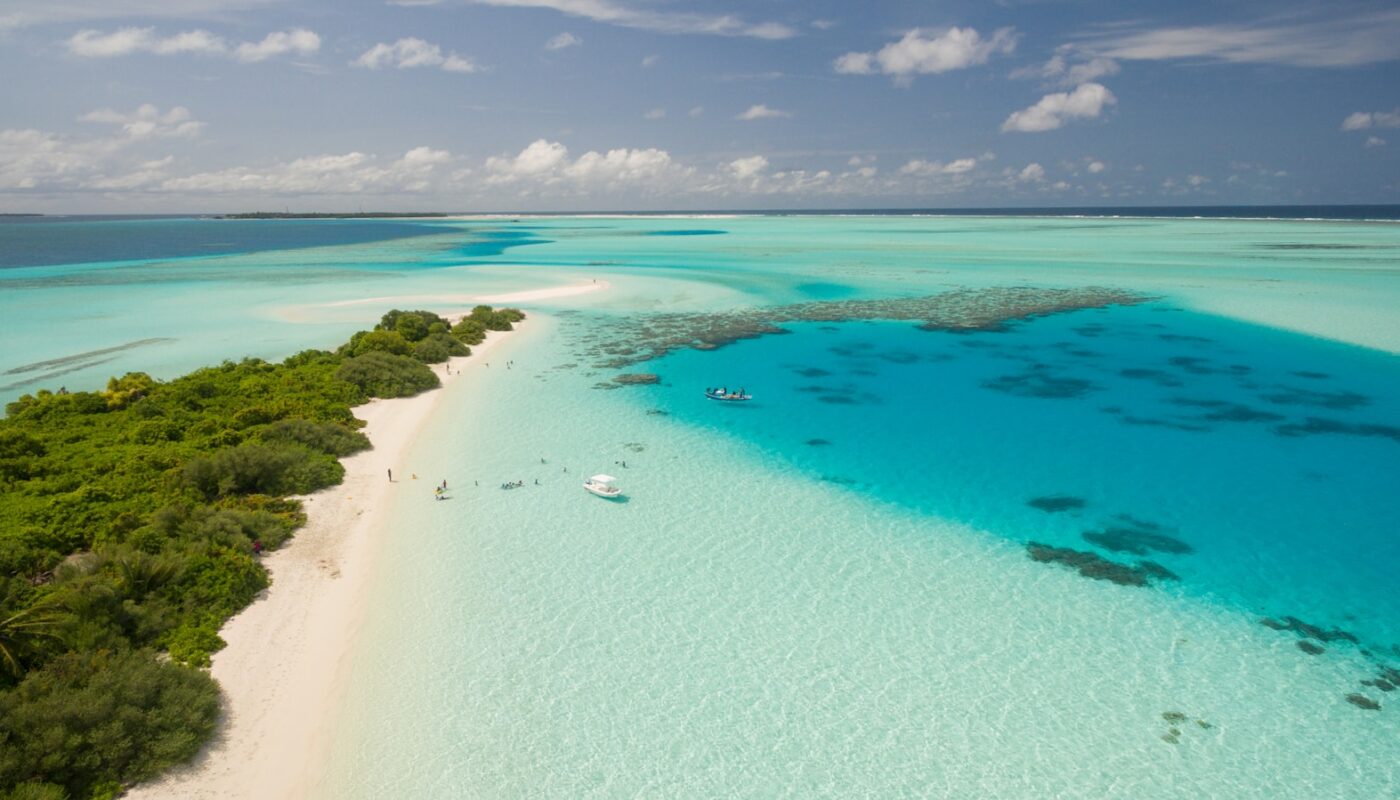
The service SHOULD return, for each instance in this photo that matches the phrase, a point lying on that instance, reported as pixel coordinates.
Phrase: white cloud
(1362, 120)
(745, 168)
(762, 111)
(651, 60)
(1032, 173)
(546, 164)
(410, 53)
(300, 41)
(1327, 40)
(615, 13)
(655, 113)
(823, 24)
(1051, 112)
(128, 41)
(147, 122)
(1095, 167)
(1375, 141)
(562, 41)
(345, 173)
(695, 111)
(919, 167)
(924, 51)
(1069, 68)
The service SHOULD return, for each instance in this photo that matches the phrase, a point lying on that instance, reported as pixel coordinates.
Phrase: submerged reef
(1039, 384)
(1309, 631)
(1317, 425)
(1139, 537)
(1362, 701)
(639, 338)
(1055, 503)
(1093, 565)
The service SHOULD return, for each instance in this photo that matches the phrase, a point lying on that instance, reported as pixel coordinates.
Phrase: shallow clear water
(827, 592)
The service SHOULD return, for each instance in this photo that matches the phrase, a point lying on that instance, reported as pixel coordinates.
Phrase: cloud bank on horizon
(214, 105)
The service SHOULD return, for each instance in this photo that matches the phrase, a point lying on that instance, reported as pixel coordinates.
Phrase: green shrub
(385, 375)
(437, 348)
(87, 719)
(413, 326)
(261, 469)
(377, 341)
(324, 437)
(470, 330)
(192, 644)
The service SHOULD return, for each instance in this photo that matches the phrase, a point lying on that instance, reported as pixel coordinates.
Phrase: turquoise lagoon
(827, 592)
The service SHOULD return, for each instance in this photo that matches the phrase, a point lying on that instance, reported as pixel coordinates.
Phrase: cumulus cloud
(299, 42)
(546, 164)
(923, 51)
(1362, 120)
(562, 41)
(655, 113)
(919, 167)
(130, 40)
(1328, 39)
(1067, 67)
(411, 53)
(1051, 112)
(147, 122)
(1095, 167)
(627, 16)
(761, 111)
(745, 168)
(651, 60)
(345, 173)
(1375, 141)
(1032, 173)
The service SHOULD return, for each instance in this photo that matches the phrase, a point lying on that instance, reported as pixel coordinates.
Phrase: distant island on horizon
(1341, 211)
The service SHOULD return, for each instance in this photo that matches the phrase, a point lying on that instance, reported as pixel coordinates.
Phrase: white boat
(603, 486)
(727, 395)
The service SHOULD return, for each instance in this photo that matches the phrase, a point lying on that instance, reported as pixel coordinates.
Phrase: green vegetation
(130, 521)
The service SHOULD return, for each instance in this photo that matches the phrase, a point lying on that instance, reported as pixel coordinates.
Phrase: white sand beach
(286, 652)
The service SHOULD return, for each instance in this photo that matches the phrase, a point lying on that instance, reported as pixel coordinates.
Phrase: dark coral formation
(1039, 384)
(1224, 411)
(1295, 396)
(1055, 503)
(1175, 718)
(817, 443)
(1310, 648)
(639, 338)
(637, 379)
(1314, 426)
(1362, 701)
(1093, 565)
(1127, 534)
(1309, 631)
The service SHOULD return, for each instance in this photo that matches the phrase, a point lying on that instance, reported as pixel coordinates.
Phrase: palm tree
(22, 631)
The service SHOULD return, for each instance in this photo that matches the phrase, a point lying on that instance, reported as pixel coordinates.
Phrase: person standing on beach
(391, 475)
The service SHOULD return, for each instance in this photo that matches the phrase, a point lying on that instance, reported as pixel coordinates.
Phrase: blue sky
(219, 105)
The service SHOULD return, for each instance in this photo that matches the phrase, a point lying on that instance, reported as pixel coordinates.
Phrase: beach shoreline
(287, 653)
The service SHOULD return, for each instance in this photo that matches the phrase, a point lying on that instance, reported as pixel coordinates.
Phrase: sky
(175, 106)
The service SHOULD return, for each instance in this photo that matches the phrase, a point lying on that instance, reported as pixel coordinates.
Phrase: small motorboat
(727, 395)
(603, 486)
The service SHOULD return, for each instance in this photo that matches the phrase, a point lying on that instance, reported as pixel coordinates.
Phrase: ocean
(1136, 551)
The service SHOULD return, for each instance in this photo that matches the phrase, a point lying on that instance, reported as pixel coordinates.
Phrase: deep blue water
(1273, 457)
(47, 241)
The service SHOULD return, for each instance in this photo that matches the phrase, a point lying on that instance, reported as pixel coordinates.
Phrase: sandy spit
(287, 651)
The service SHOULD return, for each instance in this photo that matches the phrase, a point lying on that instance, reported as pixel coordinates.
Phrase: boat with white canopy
(603, 486)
